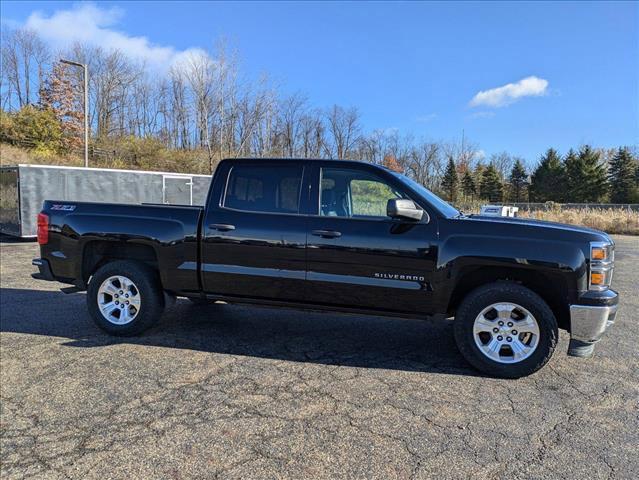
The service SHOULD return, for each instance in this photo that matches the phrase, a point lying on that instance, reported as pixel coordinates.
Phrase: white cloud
(510, 93)
(93, 25)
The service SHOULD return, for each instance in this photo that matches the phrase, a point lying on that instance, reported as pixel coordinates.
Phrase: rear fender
(175, 249)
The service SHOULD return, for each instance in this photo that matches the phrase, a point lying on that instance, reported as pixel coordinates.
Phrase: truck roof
(305, 160)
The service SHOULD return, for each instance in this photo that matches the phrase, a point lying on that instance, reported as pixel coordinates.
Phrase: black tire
(481, 298)
(148, 286)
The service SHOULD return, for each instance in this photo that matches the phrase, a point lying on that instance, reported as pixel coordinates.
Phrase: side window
(370, 197)
(260, 188)
(353, 193)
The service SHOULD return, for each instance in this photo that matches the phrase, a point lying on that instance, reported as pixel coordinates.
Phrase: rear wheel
(505, 330)
(125, 298)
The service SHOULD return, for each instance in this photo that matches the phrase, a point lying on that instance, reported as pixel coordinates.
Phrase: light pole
(85, 68)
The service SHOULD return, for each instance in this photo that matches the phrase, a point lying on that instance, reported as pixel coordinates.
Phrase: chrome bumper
(587, 326)
(588, 323)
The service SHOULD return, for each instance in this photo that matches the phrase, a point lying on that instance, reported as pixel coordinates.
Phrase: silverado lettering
(398, 276)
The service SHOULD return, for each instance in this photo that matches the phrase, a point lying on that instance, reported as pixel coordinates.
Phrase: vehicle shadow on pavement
(290, 335)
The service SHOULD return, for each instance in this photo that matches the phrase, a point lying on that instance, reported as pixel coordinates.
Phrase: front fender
(561, 263)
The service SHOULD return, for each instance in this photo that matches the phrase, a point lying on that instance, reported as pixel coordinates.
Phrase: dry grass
(610, 220)
(620, 221)
(164, 160)
(12, 155)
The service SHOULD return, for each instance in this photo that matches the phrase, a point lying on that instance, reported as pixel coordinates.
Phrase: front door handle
(326, 233)
(222, 227)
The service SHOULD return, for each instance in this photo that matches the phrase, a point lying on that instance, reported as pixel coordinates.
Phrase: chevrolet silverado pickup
(342, 236)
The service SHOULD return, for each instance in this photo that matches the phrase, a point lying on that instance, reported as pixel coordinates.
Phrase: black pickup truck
(342, 236)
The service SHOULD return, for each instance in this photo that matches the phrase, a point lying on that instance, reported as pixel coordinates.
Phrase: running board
(68, 290)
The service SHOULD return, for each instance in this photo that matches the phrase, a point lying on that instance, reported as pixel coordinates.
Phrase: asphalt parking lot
(237, 392)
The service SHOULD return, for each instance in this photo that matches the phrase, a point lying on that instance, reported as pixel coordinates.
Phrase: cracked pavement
(236, 392)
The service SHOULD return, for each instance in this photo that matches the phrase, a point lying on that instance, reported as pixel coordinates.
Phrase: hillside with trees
(203, 109)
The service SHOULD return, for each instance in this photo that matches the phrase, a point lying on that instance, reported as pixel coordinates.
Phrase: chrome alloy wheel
(506, 332)
(119, 300)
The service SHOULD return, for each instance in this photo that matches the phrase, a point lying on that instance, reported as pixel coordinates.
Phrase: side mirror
(403, 208)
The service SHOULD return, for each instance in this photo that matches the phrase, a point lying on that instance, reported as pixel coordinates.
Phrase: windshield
(437, 203)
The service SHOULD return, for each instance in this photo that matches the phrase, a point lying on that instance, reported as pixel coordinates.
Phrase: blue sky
(415, 67)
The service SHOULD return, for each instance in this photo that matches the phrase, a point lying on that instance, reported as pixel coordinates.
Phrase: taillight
(43, 228)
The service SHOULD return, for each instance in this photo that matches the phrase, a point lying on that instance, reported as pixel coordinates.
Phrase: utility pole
(85, 69)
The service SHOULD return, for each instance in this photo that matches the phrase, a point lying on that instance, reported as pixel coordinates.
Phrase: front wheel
(125, 298)
(506, 330)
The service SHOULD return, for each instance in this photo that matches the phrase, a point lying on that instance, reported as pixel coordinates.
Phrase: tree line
(584, 176)
(203, 107)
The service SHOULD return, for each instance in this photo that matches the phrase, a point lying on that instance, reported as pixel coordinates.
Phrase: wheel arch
(97, 253)
(551, 287)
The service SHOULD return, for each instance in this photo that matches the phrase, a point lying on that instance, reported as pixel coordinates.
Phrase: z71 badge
(66, 208)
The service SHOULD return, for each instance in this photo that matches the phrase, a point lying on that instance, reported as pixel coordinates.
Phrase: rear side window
(264, 188)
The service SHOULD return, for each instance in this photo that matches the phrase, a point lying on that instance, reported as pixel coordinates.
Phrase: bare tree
(292, 110)
(24, 56)
(112, 77)
(371, 147)
(425, 164)
(313, 134)
(226, 99)
(464, 152)
(253, 107)
(179, 117)
(343, 126)
(503, 162)
(200, 72)
(263, 138)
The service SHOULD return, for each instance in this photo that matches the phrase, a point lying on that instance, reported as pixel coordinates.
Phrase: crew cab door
(253, 235)
(358, 256)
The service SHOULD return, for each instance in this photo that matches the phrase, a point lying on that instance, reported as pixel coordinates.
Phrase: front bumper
(589, 320)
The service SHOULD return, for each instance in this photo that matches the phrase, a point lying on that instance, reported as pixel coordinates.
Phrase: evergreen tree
(478, 173)
(450, 180)
(622, 174)
(573, 175)
(518, 181)
(490, 186)
(586, 176)
(548, 181)
(468, 185)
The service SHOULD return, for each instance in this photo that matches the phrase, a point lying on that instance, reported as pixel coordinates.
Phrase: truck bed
(169, 233)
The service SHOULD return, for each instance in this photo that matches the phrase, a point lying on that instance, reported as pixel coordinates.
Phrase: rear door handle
(222, 227)
(326, 233)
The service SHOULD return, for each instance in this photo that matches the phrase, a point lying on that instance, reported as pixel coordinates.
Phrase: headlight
(602, 260)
